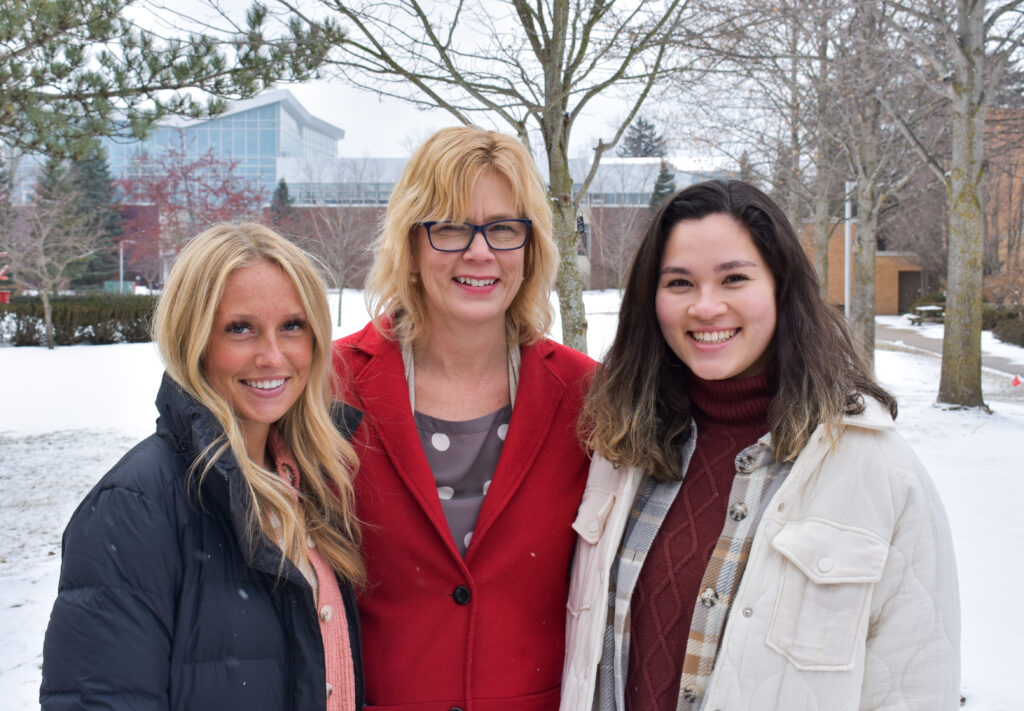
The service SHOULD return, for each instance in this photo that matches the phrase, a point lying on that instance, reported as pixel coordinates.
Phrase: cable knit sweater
(730, 415)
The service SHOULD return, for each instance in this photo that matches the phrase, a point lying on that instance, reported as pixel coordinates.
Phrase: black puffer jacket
(163, 605)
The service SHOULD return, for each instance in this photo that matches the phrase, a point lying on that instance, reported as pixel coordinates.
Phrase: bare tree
(535, 67)
(963, 49)
(46, 237)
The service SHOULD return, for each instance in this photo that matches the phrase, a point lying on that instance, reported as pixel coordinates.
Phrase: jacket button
(825, 565)
(738, 511)
(455, 708)
(330, 690)
(691, 693)
(326, 613)
(461, 595)
(745, 463)
(709, 598)
(748, 611)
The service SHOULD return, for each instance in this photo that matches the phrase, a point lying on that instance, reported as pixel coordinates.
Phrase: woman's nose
(269, 353)
(708, 305)
(478, 248)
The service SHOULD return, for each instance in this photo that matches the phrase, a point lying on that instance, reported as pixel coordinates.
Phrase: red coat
(484, 633)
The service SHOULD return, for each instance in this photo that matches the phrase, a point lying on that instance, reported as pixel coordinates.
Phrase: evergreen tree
(282, 211)
(664, 185)
(90, 177)
(642, 140)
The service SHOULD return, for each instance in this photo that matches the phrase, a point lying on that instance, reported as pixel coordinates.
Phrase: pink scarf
(340, 677)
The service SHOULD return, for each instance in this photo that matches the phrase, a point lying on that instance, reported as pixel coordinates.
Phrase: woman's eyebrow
(734, 264)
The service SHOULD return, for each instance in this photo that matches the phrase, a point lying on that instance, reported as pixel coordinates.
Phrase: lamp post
(120, 263)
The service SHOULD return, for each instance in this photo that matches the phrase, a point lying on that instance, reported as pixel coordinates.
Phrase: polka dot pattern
(440, 441)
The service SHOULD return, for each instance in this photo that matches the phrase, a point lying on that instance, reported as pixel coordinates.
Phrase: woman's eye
(677, 283)
(736, 278)
(237, 328)
(296, 325)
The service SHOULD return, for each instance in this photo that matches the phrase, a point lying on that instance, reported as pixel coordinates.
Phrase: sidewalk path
(930, 340)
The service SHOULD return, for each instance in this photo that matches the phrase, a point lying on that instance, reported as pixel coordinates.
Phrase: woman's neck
(461, 378)
(460, 353)
(255, 436)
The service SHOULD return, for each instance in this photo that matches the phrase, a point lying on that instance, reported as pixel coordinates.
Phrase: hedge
(1010, 330)
(97, 319)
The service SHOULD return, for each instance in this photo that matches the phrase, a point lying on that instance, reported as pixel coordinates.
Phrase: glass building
(260, 135)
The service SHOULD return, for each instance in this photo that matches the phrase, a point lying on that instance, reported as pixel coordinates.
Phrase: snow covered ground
(67, 415)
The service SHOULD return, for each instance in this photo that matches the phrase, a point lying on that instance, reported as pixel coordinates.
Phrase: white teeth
(712, 336)
(265, 384)
(475, 282)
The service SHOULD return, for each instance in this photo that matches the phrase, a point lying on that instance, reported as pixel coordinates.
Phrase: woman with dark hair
(754, 534)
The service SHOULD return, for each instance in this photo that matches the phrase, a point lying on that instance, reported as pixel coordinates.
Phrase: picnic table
(928, 313)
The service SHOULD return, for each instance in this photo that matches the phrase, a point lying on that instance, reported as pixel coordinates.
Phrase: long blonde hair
(181, 328)
(437, 184)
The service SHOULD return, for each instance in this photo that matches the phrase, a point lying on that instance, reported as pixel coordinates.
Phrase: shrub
(993, 313)
(96, 318)
(1010, 330)
(936, 298)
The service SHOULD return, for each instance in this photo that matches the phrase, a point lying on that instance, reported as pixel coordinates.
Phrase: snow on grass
(67, 415)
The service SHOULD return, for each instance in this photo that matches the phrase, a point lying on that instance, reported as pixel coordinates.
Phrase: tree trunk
(47, 317)
(862, 298)
(960, 379)
(568, 284)
(822, 231)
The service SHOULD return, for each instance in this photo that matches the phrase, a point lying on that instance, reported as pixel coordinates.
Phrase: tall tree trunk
(822, 230)
(44, 294)
(568, 283)
(960, 379)
(862, 298)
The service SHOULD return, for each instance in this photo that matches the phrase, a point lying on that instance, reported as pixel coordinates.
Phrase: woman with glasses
(471, 472)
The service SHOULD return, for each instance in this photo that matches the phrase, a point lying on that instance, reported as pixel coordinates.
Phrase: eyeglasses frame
(482, 229)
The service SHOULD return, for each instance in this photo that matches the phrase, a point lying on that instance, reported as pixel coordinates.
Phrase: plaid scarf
(757, 479)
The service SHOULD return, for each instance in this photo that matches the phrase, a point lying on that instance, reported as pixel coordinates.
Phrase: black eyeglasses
(500, 235)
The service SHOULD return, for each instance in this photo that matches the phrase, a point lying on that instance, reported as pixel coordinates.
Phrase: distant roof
(267, 98)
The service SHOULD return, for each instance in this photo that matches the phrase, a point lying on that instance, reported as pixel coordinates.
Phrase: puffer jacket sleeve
(108, 643)
(913, 645)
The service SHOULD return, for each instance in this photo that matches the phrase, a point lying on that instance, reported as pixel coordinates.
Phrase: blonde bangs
(437, 184)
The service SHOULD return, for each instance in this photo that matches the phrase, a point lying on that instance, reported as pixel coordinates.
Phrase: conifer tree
(664, 185)
(642, 140)
(91, 179)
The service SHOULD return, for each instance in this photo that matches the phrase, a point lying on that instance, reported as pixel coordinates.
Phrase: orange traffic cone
(1016, 380)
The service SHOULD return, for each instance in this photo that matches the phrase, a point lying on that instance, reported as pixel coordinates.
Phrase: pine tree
(664, 185)
(642, 140)
(282, 211)
(90, 177)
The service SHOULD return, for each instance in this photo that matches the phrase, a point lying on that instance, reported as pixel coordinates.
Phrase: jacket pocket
(821, 610)
(589, 525)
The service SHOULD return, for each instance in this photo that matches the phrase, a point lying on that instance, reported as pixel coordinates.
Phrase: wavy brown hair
(181, 328)
(637, 412)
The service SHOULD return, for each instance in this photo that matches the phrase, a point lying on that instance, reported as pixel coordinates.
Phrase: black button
(455, 708)
(461, 595)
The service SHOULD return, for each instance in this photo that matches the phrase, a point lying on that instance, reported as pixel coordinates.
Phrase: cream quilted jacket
(849, 600)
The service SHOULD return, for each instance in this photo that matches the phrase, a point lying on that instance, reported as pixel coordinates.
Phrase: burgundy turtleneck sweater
(731, 415)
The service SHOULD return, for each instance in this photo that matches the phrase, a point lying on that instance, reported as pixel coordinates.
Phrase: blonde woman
(213, 567)
(471, 473)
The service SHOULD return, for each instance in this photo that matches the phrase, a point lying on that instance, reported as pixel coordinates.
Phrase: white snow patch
(67, 415)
